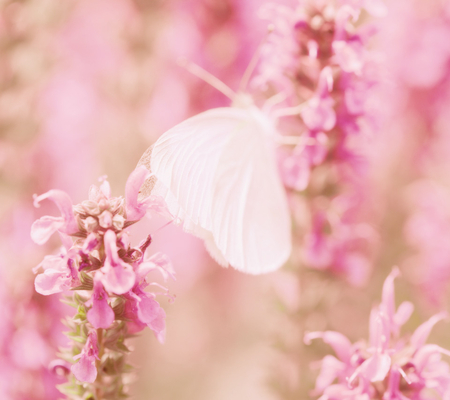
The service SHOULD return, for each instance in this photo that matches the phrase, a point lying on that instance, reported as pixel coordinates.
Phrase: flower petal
(420, 335)
(52, 281)
(340, 344)
(101, 315)
(135, 209)
(118, 279)
(376, 367)
(44, 227)
(64, 203)
(85, 370)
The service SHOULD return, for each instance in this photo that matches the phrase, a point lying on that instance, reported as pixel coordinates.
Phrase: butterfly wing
(218, 174)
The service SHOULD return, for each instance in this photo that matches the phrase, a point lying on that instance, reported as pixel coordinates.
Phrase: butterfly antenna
(254, 61)
(207, 77)
(162, 227)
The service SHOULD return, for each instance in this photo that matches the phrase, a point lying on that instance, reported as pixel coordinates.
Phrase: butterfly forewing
(218, 174)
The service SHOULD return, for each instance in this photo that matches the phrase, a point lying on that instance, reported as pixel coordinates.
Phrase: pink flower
(119, 276)
(391, 366)
(85, 370)
(59, 275)
(46, 226)
(101, 315)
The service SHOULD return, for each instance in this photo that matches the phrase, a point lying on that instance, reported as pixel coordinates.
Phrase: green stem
(98, 386)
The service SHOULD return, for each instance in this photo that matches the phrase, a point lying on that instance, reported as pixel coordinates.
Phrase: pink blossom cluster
(98, 262)
(418, 61)
(30, 332)
(389, 366)
(317, 57)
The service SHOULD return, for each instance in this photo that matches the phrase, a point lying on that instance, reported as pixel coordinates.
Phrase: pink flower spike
(85, 370)
(101, 315)
(44, 227)
(135, 209)
(118, 277)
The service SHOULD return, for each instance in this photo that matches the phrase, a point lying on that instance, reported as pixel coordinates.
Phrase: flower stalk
(108, 279)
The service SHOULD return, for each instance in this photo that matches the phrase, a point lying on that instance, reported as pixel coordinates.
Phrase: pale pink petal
(135, 209)
(64, 203)
(403, 313)
(330, 369)
(109, 240)
(44, 227)
(388, 296)
(51, 262)
(118, 279)
(52, 281)
(420, 335)
(101, 315)
(319, 114)
(147, 309)
(422, 356)
(85, 370)
(158, 325)
(340, 344)
(376, 367)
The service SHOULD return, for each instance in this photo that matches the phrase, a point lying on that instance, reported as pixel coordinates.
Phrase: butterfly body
(218, 174)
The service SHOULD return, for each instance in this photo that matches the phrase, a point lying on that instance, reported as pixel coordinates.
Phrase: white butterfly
(218, 174)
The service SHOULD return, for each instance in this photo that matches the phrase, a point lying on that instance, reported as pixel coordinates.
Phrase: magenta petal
(51, 281)
(44, 227)
(85, 370)
(376, 367)
(134, 208)
(101, 315)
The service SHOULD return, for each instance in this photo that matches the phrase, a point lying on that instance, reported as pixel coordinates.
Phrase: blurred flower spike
(107, 277)
(389, 366)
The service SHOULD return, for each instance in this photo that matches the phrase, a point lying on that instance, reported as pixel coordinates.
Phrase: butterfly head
(243, 100)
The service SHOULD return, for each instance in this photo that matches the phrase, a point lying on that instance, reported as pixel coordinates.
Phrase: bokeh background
(86, 86)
